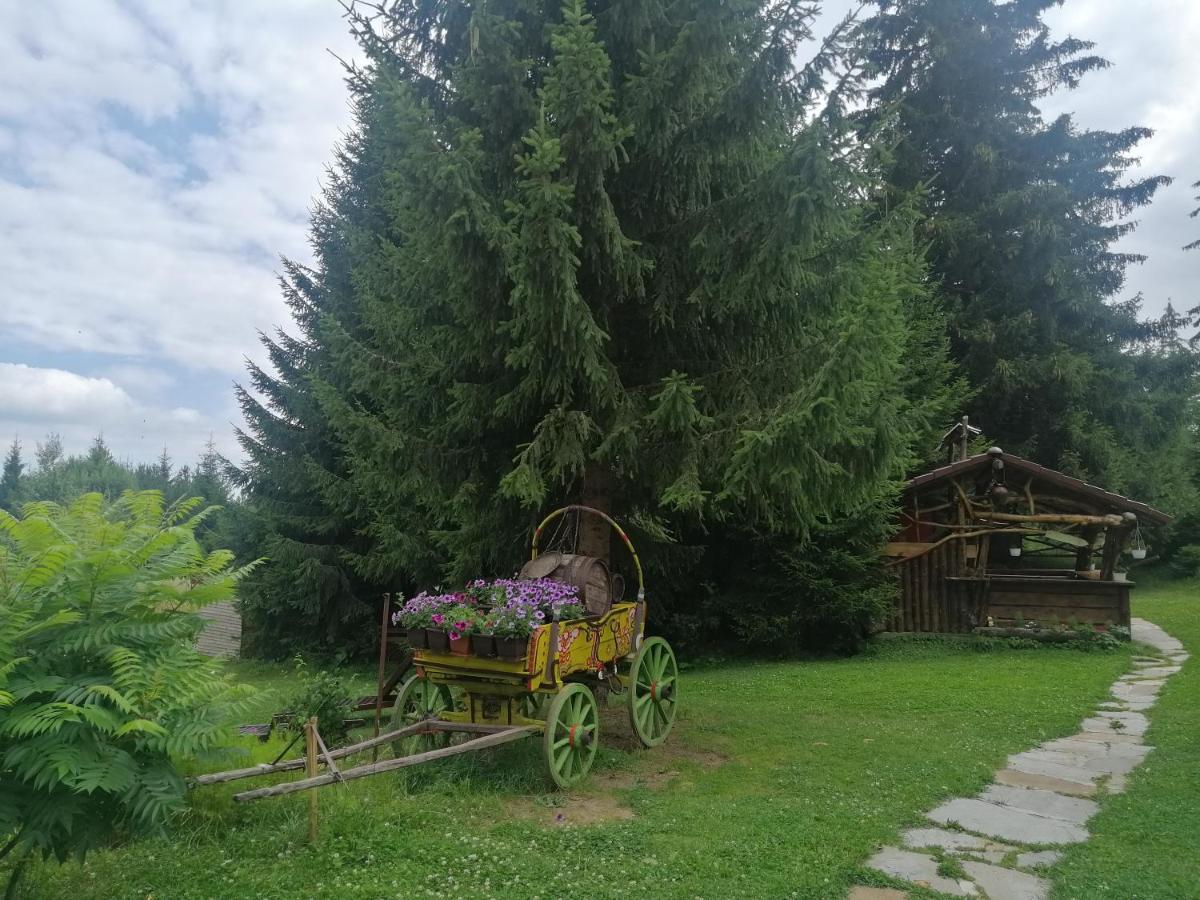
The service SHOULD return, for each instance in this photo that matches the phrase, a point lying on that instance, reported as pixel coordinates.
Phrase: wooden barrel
(587, 573)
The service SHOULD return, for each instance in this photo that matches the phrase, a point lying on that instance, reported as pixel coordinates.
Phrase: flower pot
(512, 648)
(1138, 552)
(1119, 576)
(1014, 551)
(461, 646)
(416, 638)
(437, 640)
(483, 645)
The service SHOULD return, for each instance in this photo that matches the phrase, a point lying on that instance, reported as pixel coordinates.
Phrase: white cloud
(35, 401)
(160, 157)
(26, 392)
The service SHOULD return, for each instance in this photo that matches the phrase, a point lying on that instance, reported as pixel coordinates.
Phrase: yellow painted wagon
(552, 688)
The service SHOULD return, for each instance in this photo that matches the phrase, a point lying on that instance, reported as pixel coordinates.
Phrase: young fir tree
(1022, 217)
(589, 254)
(10, 477)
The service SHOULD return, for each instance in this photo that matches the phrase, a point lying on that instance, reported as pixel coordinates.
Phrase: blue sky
(156, 159)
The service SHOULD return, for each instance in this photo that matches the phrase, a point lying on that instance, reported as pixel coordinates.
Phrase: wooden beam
(495, 739)
(1055, 518)
(293, 764)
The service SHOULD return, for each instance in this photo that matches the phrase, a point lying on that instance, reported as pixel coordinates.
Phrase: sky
(157, 160)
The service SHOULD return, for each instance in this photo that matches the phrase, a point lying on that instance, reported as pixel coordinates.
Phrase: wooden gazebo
(993, 540)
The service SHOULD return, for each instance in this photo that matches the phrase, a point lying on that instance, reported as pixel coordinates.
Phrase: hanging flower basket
(1138, 548)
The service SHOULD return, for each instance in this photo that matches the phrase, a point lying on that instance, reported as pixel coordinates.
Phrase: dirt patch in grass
(569, 810)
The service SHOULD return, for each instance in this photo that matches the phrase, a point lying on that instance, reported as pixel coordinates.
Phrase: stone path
(994, 845)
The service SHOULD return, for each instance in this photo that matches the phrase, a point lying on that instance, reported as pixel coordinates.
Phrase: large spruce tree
(1022, 215)
(591, 252)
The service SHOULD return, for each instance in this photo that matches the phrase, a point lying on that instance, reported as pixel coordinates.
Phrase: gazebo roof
(1065, 483)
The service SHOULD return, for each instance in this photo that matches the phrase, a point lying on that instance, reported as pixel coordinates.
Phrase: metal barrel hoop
(637, 563)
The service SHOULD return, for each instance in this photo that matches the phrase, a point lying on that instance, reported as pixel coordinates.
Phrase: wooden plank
(293, 764)
(1051, 613)
(388, 765)
(1042, 600)
(905, 549)
(1123, 607)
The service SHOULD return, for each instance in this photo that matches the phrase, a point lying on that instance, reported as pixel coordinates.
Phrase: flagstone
(1007, 823)
(1043, 803)
(1106, 738)
(1007, 884)
(1103, 721)
(1015, 778)
(1040, 765)
(1096, 749)
(919, 868)
(952, 841)
(1035, 858)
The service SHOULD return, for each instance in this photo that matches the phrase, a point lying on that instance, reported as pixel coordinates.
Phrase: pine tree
(1022, 215)
(10, 478)
(586, 254)
(163, 467)
(98, 453)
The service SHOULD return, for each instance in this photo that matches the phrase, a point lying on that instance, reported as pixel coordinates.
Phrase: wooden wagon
(551, 690)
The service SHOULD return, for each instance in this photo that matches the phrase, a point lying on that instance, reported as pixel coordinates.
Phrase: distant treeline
(53, 475)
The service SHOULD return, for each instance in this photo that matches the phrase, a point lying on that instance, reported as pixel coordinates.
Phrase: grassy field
(780, 779)
(1146, 843)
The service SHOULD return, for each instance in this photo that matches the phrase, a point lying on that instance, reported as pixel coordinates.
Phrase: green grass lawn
(780, 779)
(1146, 843)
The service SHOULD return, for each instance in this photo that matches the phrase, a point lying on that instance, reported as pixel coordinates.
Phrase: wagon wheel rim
(572, 734)
(419, 699)
(653, 692)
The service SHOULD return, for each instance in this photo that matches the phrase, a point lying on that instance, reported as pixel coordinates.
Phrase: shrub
(101, 689)
(326, 696)
(1185, 561)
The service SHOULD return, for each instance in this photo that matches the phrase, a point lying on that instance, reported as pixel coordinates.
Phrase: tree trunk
(595, 535)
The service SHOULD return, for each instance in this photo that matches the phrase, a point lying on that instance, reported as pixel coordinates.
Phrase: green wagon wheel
(419, 699)
(653, 692)
(572, 734)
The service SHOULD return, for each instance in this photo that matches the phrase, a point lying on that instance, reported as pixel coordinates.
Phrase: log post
(1083, 556)
(1115, 540)
(383, 649)
(310, 768)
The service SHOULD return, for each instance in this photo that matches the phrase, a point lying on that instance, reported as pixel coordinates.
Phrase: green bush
(325, 696)
(1185, 561)
(101, 689)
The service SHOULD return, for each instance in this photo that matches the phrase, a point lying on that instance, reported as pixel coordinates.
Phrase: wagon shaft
(490, 739)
